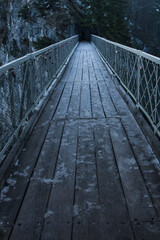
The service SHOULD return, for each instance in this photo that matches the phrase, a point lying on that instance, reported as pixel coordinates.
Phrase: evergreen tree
(107, 18)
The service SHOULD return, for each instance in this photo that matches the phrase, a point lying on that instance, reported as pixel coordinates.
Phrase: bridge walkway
(87, 171)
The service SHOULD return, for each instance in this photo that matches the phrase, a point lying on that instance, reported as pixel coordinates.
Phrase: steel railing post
(138, 80)
(115, 59)
(26, 81)
(156, 102)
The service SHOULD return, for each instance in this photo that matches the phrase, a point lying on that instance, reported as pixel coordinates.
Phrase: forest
(28, 25)
(134, 23)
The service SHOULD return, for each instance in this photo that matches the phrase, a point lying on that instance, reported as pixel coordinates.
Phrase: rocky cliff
(27, 25)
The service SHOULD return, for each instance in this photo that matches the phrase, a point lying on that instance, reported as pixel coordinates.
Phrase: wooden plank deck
(87, 171)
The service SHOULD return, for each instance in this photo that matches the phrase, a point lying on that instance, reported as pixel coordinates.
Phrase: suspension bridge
(77, 161)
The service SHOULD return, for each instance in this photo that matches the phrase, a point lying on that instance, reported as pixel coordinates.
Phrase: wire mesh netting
(138, 72)
(22, 84)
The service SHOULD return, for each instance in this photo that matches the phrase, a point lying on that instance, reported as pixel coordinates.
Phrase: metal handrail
(23, 83)
(138, 72)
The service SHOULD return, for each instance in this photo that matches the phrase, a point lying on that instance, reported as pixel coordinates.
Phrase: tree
(107, 18)
(45, 5)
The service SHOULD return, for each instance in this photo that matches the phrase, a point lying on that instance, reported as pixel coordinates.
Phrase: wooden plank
(51, 106)
(73, 72)
(110, 189)
(62, 108)
(138, 199)
(96, 65)
(74, 107)
(97, 108)
(78, 78)
(21, 172)
(147, 230)
(85, 103)
(104, 72)
(108, 105)
(118, 102)
(73, 111)
(58, 217)
(92, 75)
(86, 205)
(70, 78)
(4, 233)
(148, 163)
(92, 71)
(67, 72)
(17, 183)
(89, 229)
(30, 218)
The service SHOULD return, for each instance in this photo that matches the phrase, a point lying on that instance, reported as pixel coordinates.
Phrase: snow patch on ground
(17, 162)
(130, 161)
(75, 210)
(4, 192)
(91, 206)
(43, 180)
(48, 214)
(11, 182)
(100, 153)
(91, 188)
(24, 173)
(149, 171)
(44, 124)
(156, 164)
(61, 173)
